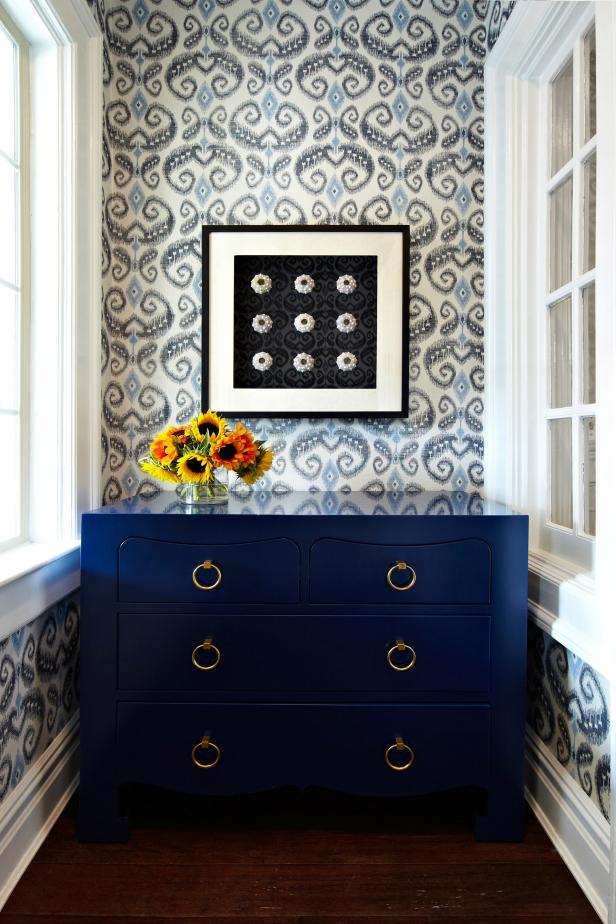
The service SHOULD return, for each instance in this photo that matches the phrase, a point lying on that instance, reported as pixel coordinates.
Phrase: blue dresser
(371, 646)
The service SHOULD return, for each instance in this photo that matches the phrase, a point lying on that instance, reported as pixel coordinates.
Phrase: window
(568, 504)
(13, 283)
(550, 240)
(50, 266)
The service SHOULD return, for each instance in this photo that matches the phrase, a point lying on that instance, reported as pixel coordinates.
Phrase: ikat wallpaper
(568, 710)
(336, 111)
(39, 688)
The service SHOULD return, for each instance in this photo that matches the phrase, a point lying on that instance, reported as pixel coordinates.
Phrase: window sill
(563, 602)
(33, 577)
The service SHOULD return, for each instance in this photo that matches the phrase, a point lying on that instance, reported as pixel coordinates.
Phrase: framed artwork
(306, 320)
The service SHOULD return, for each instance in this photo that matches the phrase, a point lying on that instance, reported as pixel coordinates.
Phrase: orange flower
(263, 464)
(236, 449)
(180, 434)
(163, 450)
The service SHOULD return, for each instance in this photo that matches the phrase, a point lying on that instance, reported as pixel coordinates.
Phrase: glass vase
(214, 491)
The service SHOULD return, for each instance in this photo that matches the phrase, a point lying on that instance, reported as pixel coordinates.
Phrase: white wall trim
(577, 829)
(31, 809)
(578, 642)
(564, 604)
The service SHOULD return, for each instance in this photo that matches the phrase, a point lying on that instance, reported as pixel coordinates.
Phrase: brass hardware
(401, 566)
(204, 744)
(399, 746)
(206, 645)
(207, 564)
(401, 646)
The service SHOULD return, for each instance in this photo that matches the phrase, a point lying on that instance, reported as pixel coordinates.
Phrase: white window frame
(65, 102)
(564, 542)
(574, 604)
(23, 274)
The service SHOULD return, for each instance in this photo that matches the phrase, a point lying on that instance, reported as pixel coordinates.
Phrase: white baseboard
(579, 832)
(30, 810)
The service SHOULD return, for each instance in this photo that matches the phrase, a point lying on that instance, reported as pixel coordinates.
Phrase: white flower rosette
(346, 361)
(262, 361)
(262, 323)
(346, 284)
(303, 362)
(346, 323)
(261, 284)
(304, 284)
(304, 323)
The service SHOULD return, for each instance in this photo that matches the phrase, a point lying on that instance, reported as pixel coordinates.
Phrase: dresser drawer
(155, 570)
(255, 747)
(303, 653)
(456, 572)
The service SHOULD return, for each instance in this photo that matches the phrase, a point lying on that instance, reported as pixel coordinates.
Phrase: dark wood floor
(288, 858)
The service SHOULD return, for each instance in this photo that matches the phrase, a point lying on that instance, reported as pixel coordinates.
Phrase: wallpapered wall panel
(39, 687)
(337, 111)
(568, 710)
(500, 11)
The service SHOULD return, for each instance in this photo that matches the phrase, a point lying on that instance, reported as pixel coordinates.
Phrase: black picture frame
(401, 409)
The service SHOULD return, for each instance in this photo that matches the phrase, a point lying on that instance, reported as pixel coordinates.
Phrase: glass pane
(589, 191)
(9, 350)
(589, 474)
(8, 221)
(9, 469)
(560, 234)
(7, 96)
(560, 353)
(562, 118)
(561, 497)
(590, 86)
(588, 345)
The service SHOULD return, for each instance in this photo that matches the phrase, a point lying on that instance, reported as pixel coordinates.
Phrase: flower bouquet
(198, 456)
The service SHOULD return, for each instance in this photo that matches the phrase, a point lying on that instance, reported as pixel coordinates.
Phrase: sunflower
(194, 467)
(208, 425)
(262, 465)
(236, 449)
(163, 450)
(181, 434)
(157, 471)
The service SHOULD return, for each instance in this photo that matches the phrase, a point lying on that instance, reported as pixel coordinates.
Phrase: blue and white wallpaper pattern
(568, 710)
(39, 688)
(335, 111)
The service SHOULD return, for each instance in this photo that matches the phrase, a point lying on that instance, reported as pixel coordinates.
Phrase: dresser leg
(99, 816)
(504, 819)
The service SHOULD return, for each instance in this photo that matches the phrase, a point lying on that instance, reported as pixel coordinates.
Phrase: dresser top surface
(306, 503)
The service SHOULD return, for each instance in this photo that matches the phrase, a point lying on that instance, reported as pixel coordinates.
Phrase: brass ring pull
(207, 564)
(401, 646)
(399, 746)
(401, 566)
(205, 744)
(206, 645)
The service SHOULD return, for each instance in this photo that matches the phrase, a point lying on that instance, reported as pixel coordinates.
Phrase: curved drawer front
(158, 571)
(303, 653)
(343, 571)
(255, 747)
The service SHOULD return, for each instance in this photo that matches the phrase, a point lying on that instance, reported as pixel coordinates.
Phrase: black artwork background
(324, 303)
